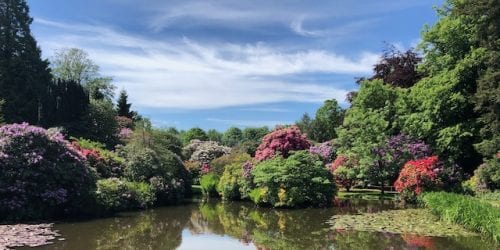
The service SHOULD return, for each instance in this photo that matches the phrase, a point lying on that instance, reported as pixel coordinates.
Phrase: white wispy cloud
(192, 75)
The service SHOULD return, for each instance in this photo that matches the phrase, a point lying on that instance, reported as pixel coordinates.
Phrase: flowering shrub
(417, 176)
(163, 170)
(205, 151)
(236, 182)
(106, 163)
(324, 150)
(218, 165)
(391, 157)
(41, 175)
(345, 171)
(280, 142)
(300, 179)
(205, 168)
(115, 195)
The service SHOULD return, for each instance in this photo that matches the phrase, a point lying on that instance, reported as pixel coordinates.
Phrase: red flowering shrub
(281, 141)
(417, 176)
(106, 163)
(344, 171)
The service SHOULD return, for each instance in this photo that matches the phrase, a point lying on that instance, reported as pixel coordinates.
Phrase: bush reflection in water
(266, 228)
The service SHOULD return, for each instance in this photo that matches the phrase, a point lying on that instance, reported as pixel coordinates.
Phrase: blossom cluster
(324, 150)
(206, 151)
(281, 141)
(418, 175)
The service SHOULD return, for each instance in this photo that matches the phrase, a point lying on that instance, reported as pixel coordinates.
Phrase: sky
(244, 63)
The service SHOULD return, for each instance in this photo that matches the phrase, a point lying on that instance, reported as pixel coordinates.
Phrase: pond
(242, 225)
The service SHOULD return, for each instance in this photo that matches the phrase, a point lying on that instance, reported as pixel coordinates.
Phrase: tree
(122, 106)
(252, 138)
(101, 123)
(305, 124)
(192, 134)
(397, 68)
(232, 137)
(214, 135)
(327, 119)
(75, 64)
(65, 104)
(23, 74)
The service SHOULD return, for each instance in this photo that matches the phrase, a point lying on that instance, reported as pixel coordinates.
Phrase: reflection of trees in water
(153, 229)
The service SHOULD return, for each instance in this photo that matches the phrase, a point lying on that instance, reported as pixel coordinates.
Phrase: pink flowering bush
(281, 142)
(324, 150)
(41, 174)
(106, 163)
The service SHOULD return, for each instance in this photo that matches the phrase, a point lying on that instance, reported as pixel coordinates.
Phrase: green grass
(367, 194)
(468, 211)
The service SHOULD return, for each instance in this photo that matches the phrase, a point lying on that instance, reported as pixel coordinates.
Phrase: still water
(242, 225)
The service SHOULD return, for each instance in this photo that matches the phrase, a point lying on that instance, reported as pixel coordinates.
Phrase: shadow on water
(207, 224)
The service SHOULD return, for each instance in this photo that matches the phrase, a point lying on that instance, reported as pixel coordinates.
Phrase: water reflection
(210, 224)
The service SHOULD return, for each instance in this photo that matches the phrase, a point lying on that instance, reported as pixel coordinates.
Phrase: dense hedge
(468, 211)
(115, 195)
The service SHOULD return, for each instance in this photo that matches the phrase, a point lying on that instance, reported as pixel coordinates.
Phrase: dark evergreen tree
(122, 106)
(65, 104)
(24, 76)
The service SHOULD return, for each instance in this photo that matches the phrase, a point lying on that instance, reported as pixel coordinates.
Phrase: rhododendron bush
(418, 176)
(106, 163)
(324, 150)
(205, 151)
(280, 142)
(345, 171)
(41, 174)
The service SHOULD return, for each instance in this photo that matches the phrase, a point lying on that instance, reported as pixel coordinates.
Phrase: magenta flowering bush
(280, 142)
(41, 174)
(325, 151)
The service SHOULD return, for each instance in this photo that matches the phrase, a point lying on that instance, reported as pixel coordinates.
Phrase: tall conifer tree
(24, 76)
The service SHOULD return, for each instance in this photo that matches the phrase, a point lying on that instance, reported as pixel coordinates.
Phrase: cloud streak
(188, 74)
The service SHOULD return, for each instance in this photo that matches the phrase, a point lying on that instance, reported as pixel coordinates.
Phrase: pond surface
(242, 225)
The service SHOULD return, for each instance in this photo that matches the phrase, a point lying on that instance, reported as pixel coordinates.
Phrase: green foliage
(214, 135)
(218, 165)
(324, 126)
(106, 163)
(73, 64)
(101, 123)
(252, 138)
(162, 169)
(299, 180)
(24, 76)
(232, 137)
(208, 183)
(488, 175)
(470, 212)
(114, 195)
(193, 134)
(164, 140)
(233, 185)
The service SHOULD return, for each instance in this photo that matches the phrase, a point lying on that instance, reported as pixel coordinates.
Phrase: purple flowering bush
(391, 156)
(41, 174)
(325, 151)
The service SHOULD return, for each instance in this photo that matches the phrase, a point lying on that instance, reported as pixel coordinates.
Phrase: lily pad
(407, 221)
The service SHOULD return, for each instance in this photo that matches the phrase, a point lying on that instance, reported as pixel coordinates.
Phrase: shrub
(204, 151)
(416, 177)
(235, 157)
(301, 179)
(208, 183)
(163, 170)
(488, 175)
(325, 151)
(41, 175)
(106, 163)
(280, 142)
(114, 195)
(235, 183)
(345, 171)
(470, 212)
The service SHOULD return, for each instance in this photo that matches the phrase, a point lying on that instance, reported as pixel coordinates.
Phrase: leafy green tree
(232, 137)
(101, 123)
(214, 135)
(122, 105)
(327, 119)
(75, 64)
(305, 124)
(24, 75)
(192, 134)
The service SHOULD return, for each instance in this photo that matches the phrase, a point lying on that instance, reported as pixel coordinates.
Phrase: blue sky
(215, 64)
